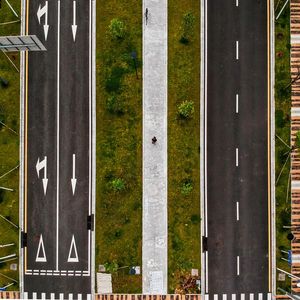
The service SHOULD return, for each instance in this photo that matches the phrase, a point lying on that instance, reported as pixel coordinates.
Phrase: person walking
(154, 140)
(146, 16)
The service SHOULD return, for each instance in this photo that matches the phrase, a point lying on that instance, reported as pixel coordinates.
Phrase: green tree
(186, 188)
(186, 109)
(187, 27)
(117, 185)
(117, 29)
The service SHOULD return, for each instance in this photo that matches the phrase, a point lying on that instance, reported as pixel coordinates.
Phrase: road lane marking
(52, 296)
(237, 211)
(70, 296)
(238, 265)
(74, 25)
(233, 297)
(73, 179)
(73, 246)
(215, 296)
(224, 297)
(242, 296)
(41, 247)
(88, 297)
(237, 3)
(206, 297)
(260, 296)
(25, 295)
(251, 296)
(79, 297)
(206, 270)
(237, 50)
(57, 137)
(61, 296)
(34, 296)
(43, 296)
(269, 296)
(236, 157)
(237, 103)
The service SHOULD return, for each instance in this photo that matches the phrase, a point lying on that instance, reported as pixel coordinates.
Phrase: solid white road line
(237, 3)
(237, 49)
(57, 137)
(206, 271)
(237, 103)
(251, 296)
(238, 265)
(233, 297)
(260, 296)
(269, 296)
(237, 211)
(236, 157)
(242, 296)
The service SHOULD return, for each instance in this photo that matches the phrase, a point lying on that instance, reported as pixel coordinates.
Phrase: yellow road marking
(269, 149)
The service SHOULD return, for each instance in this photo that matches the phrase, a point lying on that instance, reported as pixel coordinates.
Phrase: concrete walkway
(155, 226)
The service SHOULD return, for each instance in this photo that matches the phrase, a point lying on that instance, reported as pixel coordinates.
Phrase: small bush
(117, 29)
(195, 219)
(186, 188)
(111, 267)
(187, 27)
(114, 79)
(117, 185)
(186, 109)
(114, 105)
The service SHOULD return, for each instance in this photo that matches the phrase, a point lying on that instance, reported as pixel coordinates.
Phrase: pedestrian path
(239, 296)
(155, 224)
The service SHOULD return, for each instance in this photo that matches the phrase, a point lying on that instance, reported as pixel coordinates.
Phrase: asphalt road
(57, 258)
(237, 147)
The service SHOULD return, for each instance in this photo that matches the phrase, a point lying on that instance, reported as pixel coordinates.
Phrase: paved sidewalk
(155, 226)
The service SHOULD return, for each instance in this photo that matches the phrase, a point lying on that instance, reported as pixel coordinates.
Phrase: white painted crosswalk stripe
(89, 297)
(70, 296)
(242, 296)
(260, 296)
(233, 297)
(251, 296)
(224, 297)
(43, 296)
(25, 295)
(34, 296)
(52, 296)
(206, 297)
(79, 297)
(61, 296)
(215, 296)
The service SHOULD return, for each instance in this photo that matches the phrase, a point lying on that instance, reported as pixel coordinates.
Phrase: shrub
(297, 142)
(195, 219)
(114, 104)
(187, 27)
(117, 185)
(186, 188)
(117, 29)
(113, 80)
(111, 267)
(186, 109)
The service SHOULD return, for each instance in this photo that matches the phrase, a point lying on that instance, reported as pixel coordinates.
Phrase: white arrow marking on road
(44, 11)
(43, 257)
(73, 245)
(42, 165)
(74, 26)
(73, 180)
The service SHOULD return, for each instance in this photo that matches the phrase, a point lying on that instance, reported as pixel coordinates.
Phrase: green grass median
(183, 142)
(119, 142)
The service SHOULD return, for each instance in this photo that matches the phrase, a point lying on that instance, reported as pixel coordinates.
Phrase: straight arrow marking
(74, 26)
(73, 179)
